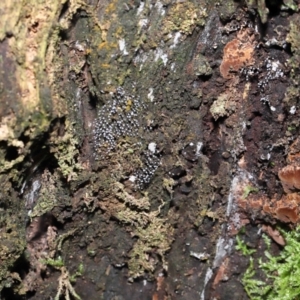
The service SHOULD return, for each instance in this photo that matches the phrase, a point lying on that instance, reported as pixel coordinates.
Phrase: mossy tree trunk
(133, 138)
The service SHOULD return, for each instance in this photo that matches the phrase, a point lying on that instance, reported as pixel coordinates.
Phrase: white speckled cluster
(274, 71)
(143, 176)
(117, 118)
(121, 117)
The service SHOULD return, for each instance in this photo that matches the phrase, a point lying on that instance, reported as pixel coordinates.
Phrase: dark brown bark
(137, 140)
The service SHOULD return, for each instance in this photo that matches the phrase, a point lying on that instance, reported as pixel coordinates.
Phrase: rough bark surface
(138, 138)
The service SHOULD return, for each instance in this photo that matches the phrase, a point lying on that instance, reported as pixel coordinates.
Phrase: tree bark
(138, 138)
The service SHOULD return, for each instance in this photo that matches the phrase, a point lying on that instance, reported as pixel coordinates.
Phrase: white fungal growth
(122, 46)
(152, 147)
(199, 148)
(199, 255)
(132, 178)
(159, 54)
(208, 275)
(140, 8)
(293, 110)
(150, 95)
(160, 8)
(223, 248)
(143, 23)
(176, 39)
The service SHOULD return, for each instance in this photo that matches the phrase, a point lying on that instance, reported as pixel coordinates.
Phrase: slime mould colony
(121, 117)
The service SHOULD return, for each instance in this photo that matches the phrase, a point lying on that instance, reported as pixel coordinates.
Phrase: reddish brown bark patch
(237, 53)
(290, 178)
(286, 210)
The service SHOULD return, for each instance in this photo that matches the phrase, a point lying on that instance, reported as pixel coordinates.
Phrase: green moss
(56, 263)
(255, 289)
(241, 246)
(78, 273)
(282, 272)
(65, 149)
(248, 190)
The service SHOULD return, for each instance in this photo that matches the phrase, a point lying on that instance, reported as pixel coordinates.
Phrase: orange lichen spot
(268, 208)
(105, 66)
(159, 294)
(222, 274)
(103, 45)
(287, 208)
(287, 214)
(274, 234)
(88, 51)
(294, 152)
(238, 53)
(290, 178)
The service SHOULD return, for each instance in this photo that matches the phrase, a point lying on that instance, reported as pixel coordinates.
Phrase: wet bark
(137, 139)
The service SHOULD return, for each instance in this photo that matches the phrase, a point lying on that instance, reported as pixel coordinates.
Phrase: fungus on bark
(290, 178)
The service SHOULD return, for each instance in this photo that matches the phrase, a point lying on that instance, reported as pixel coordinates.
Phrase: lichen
(48, 196)
(292, 91)
(153, 233)
(201, 66)
(184, 17)
(153, 239)
(65, 149)
(11, 248)
(225, 105)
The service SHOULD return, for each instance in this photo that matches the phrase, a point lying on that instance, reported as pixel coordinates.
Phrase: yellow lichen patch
(238, 53)
(103, 45)
(6, 126)
(107, 46)
(10, 14)
(30, 48)
(110, 8)
(184, 17)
